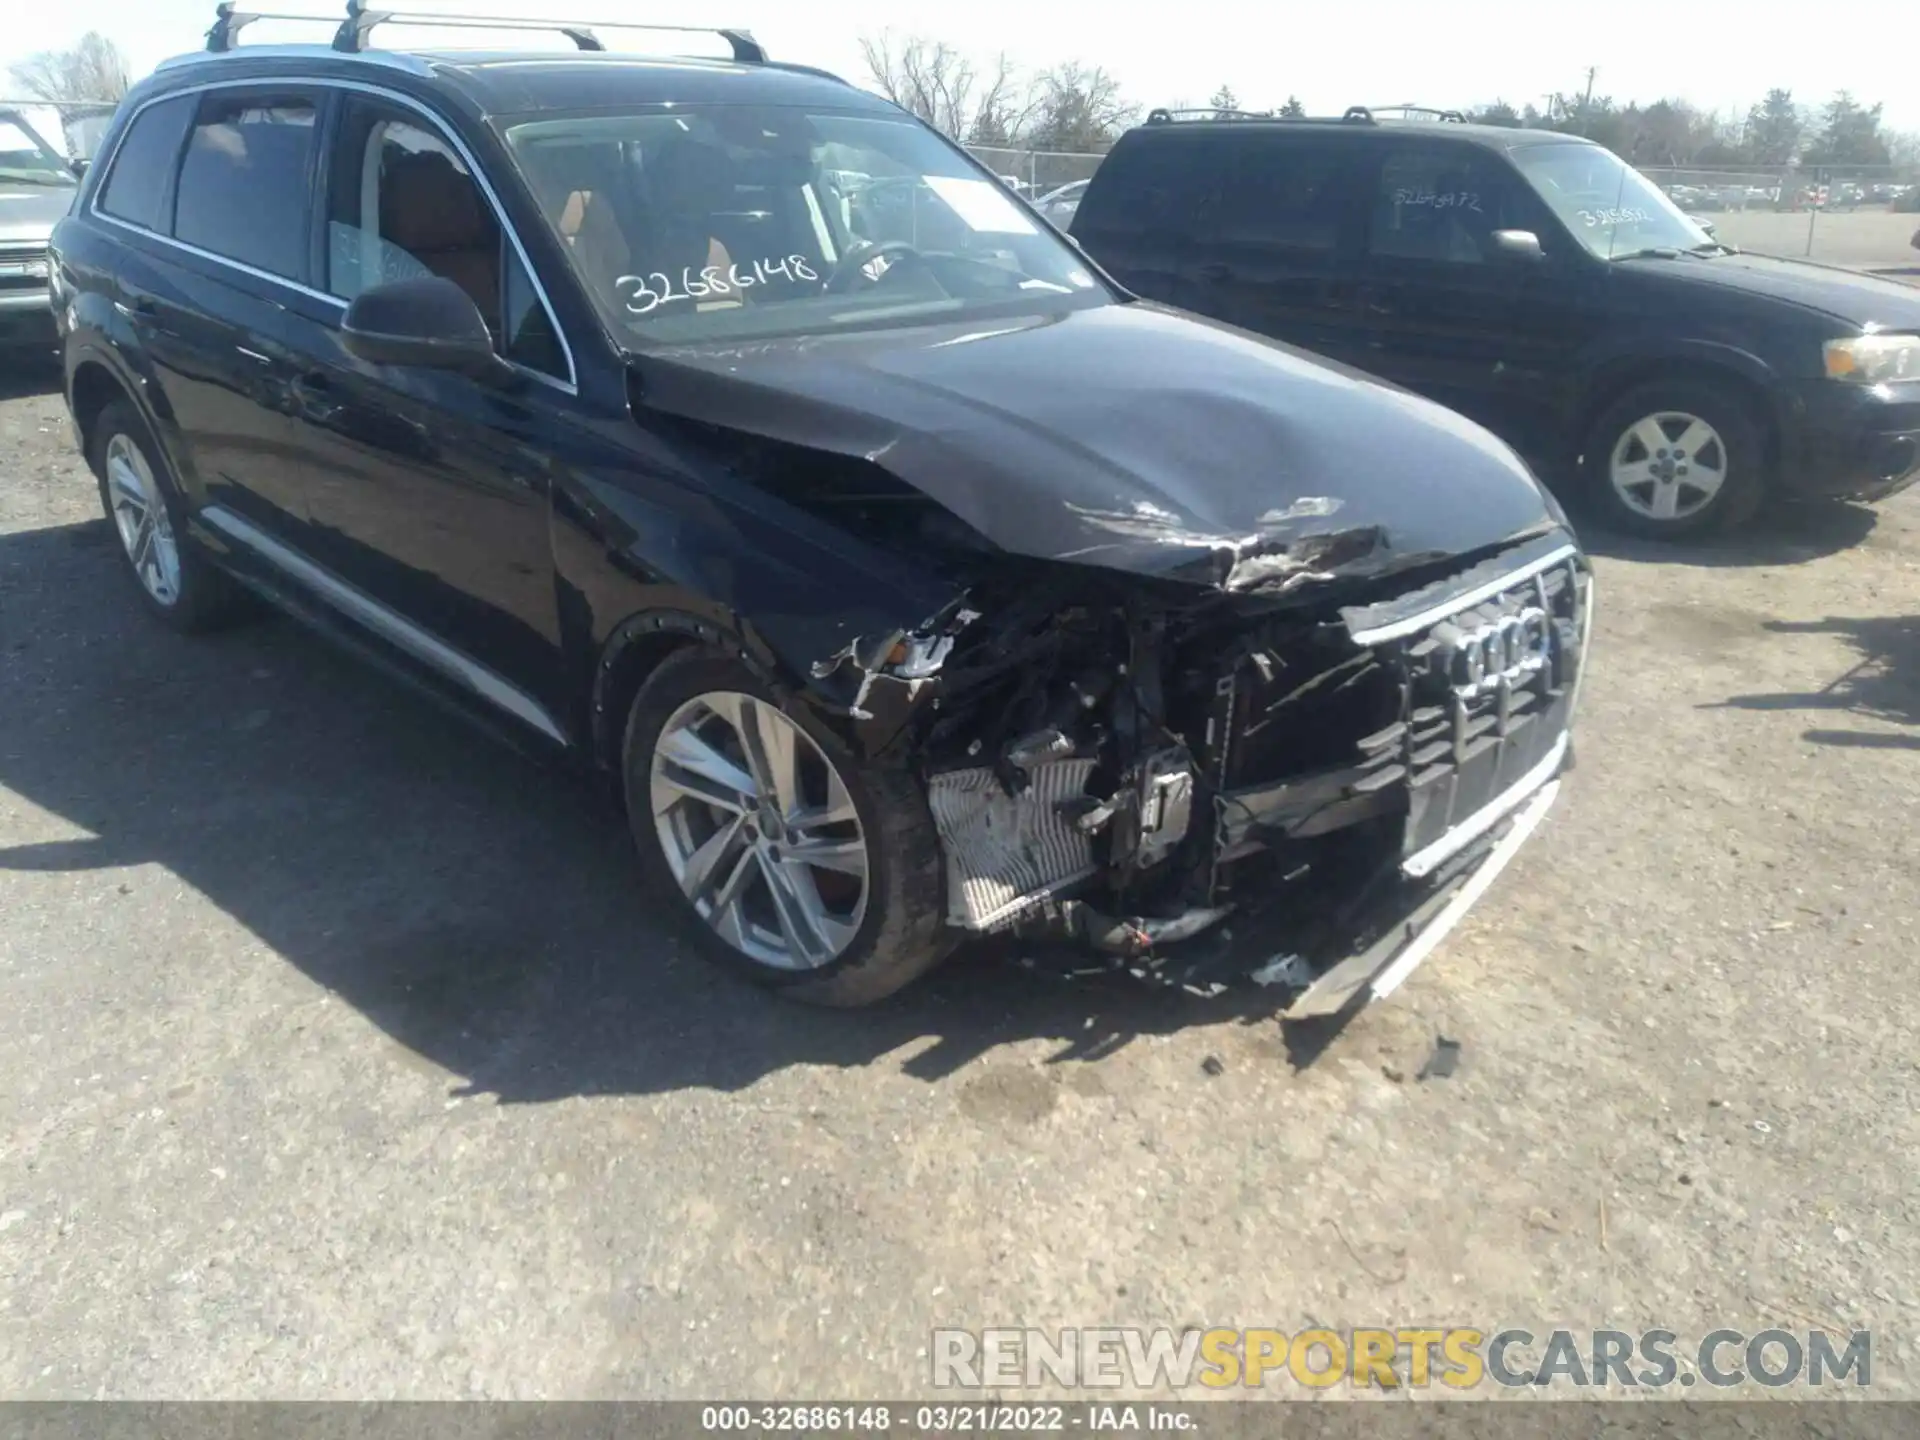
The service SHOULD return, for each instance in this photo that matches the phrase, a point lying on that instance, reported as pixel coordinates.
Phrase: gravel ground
(338, 1059)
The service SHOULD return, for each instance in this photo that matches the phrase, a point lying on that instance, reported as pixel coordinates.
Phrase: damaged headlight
(1873, 359)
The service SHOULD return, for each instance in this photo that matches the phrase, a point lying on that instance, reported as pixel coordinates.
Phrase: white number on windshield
(643, 294)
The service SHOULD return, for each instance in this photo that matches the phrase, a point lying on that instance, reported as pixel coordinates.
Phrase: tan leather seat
(437, 214)
(588, 222)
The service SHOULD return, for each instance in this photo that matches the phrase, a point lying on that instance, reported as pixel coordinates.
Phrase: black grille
(1489, 690)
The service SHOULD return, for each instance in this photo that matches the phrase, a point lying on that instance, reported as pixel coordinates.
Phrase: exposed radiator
(1004, 852)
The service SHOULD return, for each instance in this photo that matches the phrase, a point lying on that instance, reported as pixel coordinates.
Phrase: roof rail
(229, 22)
(1407, 112)
(351, 36)
(1164, 116)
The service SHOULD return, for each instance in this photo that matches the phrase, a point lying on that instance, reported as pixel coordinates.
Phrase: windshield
(26, 159)
(750, 221)
(1610, 207)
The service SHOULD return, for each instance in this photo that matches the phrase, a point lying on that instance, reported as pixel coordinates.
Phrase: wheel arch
(93, 387)
(640, 645)
(1732, 369)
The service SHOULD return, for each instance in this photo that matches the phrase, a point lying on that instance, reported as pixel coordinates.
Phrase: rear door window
(246, 180)
(1283, 193)
(143, 165)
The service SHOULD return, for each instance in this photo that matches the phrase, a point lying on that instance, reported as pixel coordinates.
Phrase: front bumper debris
(1306, 799)
(1381, 967)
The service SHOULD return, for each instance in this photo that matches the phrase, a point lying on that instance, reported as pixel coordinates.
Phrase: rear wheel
(796, 866)
(178, 583)
(1676, 458)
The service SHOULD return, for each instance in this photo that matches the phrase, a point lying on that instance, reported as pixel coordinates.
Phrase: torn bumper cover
(1319, 802)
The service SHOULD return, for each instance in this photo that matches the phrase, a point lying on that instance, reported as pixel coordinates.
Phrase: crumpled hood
(1129, 436)
(28, 213)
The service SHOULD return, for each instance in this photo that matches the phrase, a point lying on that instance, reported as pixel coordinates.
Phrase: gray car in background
(37, 185)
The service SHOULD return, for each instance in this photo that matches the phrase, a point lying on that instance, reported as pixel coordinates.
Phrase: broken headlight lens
(1873, 359)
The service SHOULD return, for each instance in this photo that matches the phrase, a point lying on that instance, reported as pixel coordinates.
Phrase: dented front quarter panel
(657, 534)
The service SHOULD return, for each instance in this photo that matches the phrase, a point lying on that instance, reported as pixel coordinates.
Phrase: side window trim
(323, 153)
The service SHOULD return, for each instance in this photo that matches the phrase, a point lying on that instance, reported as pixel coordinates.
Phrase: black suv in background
(1539, 285)
(720, 425)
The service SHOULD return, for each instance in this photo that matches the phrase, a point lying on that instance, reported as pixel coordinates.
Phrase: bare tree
(94, 69)
(928, 78)
(1078, 109)
(1005, 106)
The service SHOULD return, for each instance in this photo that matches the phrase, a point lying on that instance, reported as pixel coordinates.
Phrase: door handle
(254, 355)
(142, 307)
(1215, 271)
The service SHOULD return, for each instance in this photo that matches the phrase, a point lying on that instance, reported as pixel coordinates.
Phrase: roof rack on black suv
(351, 37)
(1408, 112)
(1164, 116)
(1353, 115)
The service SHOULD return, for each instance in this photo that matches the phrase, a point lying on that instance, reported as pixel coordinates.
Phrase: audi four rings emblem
(1502, 651)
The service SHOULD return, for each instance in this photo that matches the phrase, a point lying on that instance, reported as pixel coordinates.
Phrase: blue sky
(1437, 52)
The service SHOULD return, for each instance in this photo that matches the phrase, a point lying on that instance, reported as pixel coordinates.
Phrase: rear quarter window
(143, 165)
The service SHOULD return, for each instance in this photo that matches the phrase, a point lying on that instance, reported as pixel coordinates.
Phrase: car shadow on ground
(31, 373)
(479, 908)
(1883, 684)
(1785, 533)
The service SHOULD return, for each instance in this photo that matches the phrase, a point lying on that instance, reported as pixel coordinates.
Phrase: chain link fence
(1036, 173)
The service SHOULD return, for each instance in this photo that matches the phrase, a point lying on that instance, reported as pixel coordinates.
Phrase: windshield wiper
(1650, 252)
(1708, 248)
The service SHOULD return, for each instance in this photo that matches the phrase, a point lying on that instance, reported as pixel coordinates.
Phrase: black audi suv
(718, 425)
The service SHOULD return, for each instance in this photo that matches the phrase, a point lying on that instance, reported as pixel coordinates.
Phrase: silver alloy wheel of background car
(1668, 466)
(760, 831)
(140, 514)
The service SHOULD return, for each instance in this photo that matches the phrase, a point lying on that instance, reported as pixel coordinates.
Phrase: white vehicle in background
(1061, 205)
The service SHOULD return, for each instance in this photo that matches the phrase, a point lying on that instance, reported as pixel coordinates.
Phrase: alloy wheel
(759, 830)
(1668, 466)
(140, 515)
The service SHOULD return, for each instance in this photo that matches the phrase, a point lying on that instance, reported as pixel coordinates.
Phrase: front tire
(796, 866)
(1677, 458)
(177, 583)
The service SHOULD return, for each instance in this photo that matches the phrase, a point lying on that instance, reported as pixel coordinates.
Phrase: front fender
(646, 561)
(1606, 369)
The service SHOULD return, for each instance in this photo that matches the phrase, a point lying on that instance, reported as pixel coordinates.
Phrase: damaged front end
(1302, 784)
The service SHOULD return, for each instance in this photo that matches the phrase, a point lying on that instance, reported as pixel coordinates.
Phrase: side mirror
(428, 322)
(79, 166)
(1518, 244)
(1711, 229)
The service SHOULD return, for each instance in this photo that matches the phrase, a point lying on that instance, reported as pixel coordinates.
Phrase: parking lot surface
(1859, 239)
(338, 1057)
